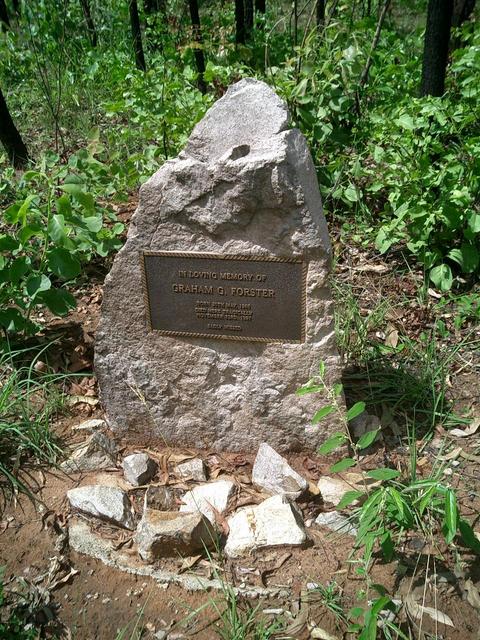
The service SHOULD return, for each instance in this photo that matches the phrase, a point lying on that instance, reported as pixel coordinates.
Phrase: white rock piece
(274, 522)
(138, 468)
(97, 452)
(272, 473)
(194, 469)
(171, 533)
(209, 498)
(107, 503)
(245, 184)
(336, 522)
(333, 489)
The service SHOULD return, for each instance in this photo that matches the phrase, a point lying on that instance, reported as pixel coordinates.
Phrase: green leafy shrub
(399, 504)
(51, 228)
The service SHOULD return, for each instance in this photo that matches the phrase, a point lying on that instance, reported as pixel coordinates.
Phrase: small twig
(376, 38)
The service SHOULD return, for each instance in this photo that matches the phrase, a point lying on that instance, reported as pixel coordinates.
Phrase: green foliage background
(396, 171)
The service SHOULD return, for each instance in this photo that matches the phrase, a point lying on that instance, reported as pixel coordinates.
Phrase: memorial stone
(217, 309)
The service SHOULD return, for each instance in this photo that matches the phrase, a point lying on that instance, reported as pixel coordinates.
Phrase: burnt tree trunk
(240, 32)
(435, 53)
(320, 13)
(197, 36)
(87, 14)
(4, 18)
(154, 6)
(10, 137)
(249, 16)
(462, 10)
(137, 35)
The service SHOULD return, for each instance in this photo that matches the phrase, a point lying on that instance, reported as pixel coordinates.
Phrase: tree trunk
(435, 53)
(260, 6)
(137, 35)
(10, 137)
(17, 7)
(320, 13)
(240, 33)
(154, 6)
(462, 10)
(4, 19)
(249, 16)
(92, 32)
(197, 36)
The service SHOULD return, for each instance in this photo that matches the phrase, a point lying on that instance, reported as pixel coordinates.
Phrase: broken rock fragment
(171, 533)
(333, 489)
(273, 522)
(272, 473)
(209, 499)
(97, 452)
(108, 503)
(138, 468)
(194, 469)
(336, 522)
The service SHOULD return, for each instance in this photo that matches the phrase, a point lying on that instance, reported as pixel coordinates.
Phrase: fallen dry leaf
(473, 597)
(188, 563)
(416, 611)
(74, 400)
(391, 339)
(372, 268)
(318, 633)
(452, 455)
(470, 430)
(313, 489)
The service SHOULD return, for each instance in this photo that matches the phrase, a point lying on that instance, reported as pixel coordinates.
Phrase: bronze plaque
(229, 297)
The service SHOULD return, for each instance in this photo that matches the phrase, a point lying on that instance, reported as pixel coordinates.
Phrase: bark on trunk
(197, 36)
(4, 18)
(462, 10)
(435, 53)
(249, 16)
(137, 35)
(154, 6)
(320, 13)
(240, 32)
(92, 32)
(10, 137)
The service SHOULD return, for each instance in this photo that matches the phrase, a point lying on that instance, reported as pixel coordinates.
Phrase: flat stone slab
(274, 522)
(87, 542)
(245, 185)
(107, 503)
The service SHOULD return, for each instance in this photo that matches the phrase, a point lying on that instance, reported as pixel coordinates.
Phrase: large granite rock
(245, 184)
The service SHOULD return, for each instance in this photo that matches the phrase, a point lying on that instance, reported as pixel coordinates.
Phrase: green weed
(29, 399)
